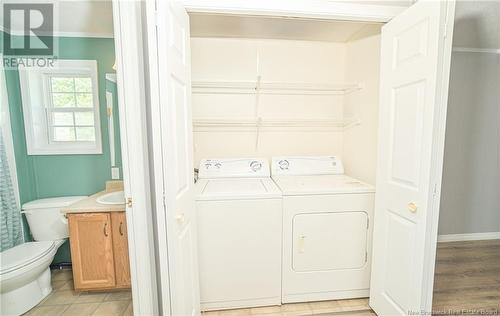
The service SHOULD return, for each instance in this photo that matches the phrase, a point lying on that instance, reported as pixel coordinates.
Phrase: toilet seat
(22, 255)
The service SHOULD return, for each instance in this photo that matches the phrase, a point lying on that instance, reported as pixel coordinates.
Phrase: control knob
(255, 165)
(283, 164)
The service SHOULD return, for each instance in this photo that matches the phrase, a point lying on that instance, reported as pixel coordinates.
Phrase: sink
(114, 198)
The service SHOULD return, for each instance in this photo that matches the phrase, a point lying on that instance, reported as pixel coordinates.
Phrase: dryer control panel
(233, 168)
(306, 165)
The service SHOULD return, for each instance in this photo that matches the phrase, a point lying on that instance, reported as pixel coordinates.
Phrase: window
(71, 110)
(61, 108)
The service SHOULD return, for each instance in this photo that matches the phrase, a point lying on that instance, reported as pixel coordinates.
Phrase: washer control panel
(233, 168)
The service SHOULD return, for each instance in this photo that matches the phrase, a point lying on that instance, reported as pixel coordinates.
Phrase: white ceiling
(203, 25)
(477, 24)
(91, 17)
(400, 3)
(77, 18)
(94, 18)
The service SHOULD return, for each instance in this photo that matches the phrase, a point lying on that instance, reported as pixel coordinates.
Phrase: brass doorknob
(412, 207)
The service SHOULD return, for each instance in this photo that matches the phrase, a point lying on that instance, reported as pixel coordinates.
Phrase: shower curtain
(10, 227)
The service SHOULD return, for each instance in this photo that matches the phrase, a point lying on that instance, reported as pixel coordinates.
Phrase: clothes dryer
(327, 229)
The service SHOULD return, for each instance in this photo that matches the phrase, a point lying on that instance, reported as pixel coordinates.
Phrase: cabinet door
(120, 249)
(92, 250)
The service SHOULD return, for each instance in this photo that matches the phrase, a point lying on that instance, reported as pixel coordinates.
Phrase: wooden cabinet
(99, 250)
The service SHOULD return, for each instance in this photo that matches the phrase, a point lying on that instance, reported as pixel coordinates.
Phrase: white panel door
(415, 60)
(174, 73)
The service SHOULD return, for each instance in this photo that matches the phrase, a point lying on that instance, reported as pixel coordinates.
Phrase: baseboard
(324, 296)
(245, 303)
(473, 236)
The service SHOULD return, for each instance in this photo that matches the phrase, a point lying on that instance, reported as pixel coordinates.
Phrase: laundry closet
(270, 86)
(315, 113)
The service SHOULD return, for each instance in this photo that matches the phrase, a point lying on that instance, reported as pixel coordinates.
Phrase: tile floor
(65, 301)
(353, 307)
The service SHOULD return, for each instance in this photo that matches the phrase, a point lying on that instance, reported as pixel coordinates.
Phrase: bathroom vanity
(99, 245)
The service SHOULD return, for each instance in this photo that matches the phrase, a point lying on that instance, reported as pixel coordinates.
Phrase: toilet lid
(24, 254)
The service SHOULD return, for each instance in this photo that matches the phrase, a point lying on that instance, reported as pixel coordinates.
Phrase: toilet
(24, 269)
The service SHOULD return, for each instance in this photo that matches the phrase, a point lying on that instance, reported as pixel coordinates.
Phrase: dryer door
(329, 241)
(326, 246)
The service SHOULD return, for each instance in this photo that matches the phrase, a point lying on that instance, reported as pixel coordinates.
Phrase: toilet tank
(45, 219)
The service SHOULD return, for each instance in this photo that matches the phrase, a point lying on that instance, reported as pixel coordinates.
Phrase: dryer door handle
(302, 243)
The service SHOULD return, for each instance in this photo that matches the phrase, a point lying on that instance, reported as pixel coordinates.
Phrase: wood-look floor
(467, 282)
(467, 278)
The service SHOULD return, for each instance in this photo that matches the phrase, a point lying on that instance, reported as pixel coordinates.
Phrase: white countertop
(90, 205)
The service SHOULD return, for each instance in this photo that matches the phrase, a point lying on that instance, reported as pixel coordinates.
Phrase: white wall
(470, 199)
(360, 142)
(215, 59)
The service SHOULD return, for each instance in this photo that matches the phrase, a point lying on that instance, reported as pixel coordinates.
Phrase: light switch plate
(115, 173)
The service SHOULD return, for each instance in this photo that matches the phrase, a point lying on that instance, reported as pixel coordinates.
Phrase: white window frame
(51, 108)
(37, 98)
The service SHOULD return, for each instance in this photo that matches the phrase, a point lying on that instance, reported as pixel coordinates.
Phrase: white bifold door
(415, 61)
(174, 85)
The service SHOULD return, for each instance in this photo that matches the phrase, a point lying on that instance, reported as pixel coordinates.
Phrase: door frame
(437, 159)
(131, 86)
(276, 8)
(312, 9)
(135, 46)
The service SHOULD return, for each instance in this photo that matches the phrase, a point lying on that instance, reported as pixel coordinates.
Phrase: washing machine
(239, 218)
(327, 229)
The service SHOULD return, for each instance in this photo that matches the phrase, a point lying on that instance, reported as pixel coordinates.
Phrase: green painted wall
(44, 176)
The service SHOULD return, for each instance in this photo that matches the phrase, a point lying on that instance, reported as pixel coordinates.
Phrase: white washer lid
(52, 202)
(236, 189)
(321, 184)
(24, 254)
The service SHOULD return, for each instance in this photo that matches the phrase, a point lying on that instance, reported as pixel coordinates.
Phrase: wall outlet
(115, 173)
